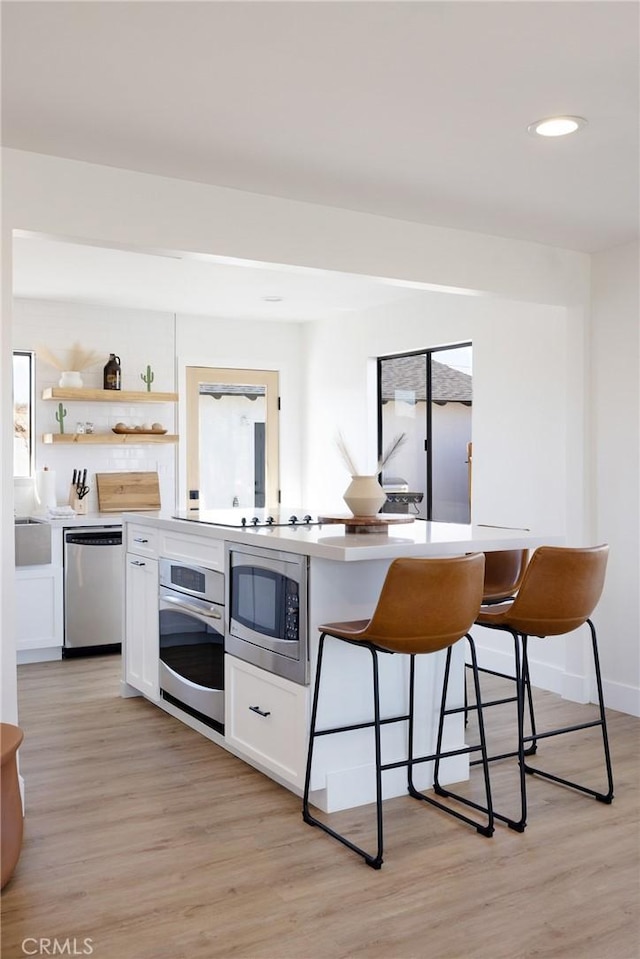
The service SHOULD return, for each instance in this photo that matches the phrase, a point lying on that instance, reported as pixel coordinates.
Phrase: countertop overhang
(420, 538)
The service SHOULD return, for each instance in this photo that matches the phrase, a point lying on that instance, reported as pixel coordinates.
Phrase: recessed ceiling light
(272, 299)
(556, 126)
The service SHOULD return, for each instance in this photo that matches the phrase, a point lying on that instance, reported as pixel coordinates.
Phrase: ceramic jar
(71, 378)
(364, 496)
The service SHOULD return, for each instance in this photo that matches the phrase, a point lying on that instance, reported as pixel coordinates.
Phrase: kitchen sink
(33, 542)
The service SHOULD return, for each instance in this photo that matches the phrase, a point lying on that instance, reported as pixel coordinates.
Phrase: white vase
(364, 496)
(71, 378)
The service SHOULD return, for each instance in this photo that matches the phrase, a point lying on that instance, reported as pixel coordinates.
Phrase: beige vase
(364, 496)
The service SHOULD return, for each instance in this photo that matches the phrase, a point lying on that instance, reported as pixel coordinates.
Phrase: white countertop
(419, 538)
(85, 519)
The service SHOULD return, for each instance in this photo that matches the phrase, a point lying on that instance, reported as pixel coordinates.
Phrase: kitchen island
(266, 716)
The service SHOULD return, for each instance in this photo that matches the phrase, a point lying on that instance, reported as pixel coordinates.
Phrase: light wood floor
(154, 843)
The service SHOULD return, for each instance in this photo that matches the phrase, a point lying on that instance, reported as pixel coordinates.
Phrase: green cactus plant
(148, 379)
(60, 415)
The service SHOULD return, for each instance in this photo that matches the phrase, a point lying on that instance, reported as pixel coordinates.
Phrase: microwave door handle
(290, 570)
(211, 613)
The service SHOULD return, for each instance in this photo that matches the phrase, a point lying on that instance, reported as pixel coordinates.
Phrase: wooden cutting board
(127, 491)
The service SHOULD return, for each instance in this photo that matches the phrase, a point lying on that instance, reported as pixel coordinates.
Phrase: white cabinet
(141, 649)
(142, 540)
(191, 548)
(39, 614)
(266, 720)
(38, 607)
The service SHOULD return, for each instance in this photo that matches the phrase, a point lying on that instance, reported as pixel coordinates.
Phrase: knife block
(79, 506)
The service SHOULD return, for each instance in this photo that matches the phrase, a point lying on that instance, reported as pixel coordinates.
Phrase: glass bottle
(112, 373)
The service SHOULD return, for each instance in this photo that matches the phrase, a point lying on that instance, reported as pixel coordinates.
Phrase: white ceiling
(416, 110)
(46, 268)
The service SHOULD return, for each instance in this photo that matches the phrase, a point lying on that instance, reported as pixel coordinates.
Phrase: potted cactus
(148, 378)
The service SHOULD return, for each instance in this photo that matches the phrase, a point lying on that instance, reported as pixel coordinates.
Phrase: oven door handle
(211, 613)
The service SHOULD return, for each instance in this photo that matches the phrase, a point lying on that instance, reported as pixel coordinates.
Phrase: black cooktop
(247, 518)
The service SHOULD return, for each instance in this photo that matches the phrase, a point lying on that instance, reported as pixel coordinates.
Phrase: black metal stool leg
(485, 830)
(312, 734)
(374, 861)
(605, 797)
(532, 749)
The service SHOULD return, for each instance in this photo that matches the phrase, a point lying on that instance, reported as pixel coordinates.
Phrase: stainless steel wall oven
(192, 622)
(267, 609)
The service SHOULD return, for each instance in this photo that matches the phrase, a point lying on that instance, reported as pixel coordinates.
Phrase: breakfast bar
(311, 572)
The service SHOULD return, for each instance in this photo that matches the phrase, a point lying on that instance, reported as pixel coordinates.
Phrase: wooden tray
(129, 430)
(367, 524)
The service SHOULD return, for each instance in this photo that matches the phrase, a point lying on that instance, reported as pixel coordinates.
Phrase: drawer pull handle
(260, 712)
(137, 562)
(138, 539)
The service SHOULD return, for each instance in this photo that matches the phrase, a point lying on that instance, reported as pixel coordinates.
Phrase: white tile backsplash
(139, 337)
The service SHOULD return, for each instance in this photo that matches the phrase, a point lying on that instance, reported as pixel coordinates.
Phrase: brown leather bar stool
(425, 605)
(10, 803)
(503, 573)
(559, 591)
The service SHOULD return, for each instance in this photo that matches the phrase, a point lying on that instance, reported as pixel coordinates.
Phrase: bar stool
(559, 591)
(425, 605)
(503, 574)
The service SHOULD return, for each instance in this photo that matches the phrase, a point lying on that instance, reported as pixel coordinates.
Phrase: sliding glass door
(427, 395)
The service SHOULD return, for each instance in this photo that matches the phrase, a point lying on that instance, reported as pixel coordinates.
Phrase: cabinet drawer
(266, 719)
(193, 549)
(142, 540)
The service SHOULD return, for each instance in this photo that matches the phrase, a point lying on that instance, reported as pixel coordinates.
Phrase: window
(23, 407)
(428, 396)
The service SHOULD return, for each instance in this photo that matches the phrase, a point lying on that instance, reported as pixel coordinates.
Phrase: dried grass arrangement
(76, 358)
(384, 460)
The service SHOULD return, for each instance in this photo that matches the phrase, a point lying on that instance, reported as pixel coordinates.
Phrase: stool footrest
(602, 797)
(463, 751)
(368, 724)
(482, 829)
(374, 861)
(559, 732)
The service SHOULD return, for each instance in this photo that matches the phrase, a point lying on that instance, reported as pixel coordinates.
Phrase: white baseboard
(571, 686)
(623, 698)
(45, 655)
(543, 675)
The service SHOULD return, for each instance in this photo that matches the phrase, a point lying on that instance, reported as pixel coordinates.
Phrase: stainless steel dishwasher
(93, 590)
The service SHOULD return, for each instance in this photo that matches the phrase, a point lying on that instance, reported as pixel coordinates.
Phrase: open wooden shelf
(107, 396)
(112, 439)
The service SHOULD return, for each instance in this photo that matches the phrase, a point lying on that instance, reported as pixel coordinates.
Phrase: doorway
(428, 396)
(232, 438)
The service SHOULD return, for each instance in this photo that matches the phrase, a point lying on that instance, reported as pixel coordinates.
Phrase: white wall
(520, 407)
(246, 344)
(89, 202)
(615, 462)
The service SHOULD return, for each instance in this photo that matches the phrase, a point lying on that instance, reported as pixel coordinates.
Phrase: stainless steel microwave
(267, 609)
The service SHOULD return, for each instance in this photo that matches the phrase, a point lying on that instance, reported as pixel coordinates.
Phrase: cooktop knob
(269, 521)
(243, 521)
(307, 518)
(255, 521)
(293, 520)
